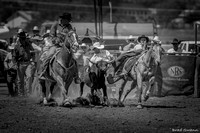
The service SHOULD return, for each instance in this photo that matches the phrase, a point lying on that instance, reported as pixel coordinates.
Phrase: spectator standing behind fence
(22, 56)
(175, 48)
(11, 71)
(131, 43)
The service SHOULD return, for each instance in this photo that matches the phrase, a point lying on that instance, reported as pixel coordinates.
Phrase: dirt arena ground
(159, 115)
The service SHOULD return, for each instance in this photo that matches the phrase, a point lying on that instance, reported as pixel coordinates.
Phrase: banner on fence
(175, 76)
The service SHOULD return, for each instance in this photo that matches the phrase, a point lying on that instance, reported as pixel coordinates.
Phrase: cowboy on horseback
(136, 50)
(58, 33)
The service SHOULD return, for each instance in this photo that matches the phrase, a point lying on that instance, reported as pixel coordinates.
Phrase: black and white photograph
(99, 66)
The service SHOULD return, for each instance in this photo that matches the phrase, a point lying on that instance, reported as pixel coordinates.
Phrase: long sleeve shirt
(37, 50)
(129, 47)
(8, 62)
(103, 55)
(22, 51)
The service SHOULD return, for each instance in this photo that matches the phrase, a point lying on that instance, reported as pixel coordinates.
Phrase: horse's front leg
(81, 88)
(67, 101)
(139, 84)
(61, 85)
(121, 89)
(52, 85)
(42, 83)
(150, 85)
(133, 85)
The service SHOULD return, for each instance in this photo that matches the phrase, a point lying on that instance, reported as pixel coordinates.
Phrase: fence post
(196, 79)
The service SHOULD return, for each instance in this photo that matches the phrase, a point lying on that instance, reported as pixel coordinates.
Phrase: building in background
(20, 19)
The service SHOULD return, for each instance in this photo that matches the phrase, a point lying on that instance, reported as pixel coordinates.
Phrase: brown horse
(143, 70)
(61, 68)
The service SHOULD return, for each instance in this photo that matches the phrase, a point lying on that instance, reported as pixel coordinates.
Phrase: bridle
(73, 42)
(153, 54)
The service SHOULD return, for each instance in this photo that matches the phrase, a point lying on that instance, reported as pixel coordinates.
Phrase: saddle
(127, 64)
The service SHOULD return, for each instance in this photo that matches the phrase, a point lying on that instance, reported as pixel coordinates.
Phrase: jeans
(12, 80)
(30, 73)
(46, 60)
(21, 73)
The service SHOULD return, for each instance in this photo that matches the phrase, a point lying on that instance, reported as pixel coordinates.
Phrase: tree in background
(168, 10)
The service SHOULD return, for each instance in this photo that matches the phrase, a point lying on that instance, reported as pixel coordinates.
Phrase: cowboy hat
(66, 16)
(175, 41)
(156, 40)
(131, 37)
(97, 45)
(84, 45)
(35, 28)
(143, 36)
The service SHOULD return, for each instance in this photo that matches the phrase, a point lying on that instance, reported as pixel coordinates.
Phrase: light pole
(197, 68)
(110, 5)
(95, 16)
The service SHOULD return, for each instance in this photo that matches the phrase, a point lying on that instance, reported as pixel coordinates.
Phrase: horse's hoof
(121, 104)
(45, 102)
(53, 104)
(104, 104)
(51, 100)
(67, 104)
(139, 106)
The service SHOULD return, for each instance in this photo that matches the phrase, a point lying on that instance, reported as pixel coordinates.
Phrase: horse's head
(157, 52)
(72, 40)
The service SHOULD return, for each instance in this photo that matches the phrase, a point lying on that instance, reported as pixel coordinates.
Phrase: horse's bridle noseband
(73, 43)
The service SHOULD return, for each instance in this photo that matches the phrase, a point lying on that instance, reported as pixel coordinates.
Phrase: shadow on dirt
(156, 106)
